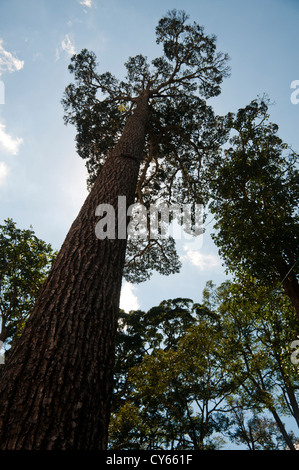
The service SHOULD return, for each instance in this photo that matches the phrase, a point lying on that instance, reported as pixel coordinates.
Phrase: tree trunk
(3, 332)
(55, 389)
(282, 429)
(293, 402)
(290, 284)
(291, 288)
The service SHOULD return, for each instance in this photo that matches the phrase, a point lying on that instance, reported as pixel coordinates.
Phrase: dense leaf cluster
(182, 130)
(254, 196)
(191, 376)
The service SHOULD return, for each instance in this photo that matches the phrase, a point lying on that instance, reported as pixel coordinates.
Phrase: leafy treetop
(182, 128)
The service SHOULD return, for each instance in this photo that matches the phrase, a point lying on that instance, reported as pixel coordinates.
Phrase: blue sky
(43, 181)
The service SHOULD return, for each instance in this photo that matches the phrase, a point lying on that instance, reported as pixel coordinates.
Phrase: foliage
(257, 432)
(173, 369)
(182, 128)
(261, 328)
(189, 376)
(25, 261)
(254, 191)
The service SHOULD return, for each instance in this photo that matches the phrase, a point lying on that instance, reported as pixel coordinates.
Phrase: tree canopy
(254, 194)
(197, 376)
(181, 132)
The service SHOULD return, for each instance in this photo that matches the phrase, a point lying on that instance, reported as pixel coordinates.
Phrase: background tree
(260, 329)
(25, 261)
(175, 392)
(254, 190)
(189, 376)
(256, 432)
(139, 334)
(58, 379)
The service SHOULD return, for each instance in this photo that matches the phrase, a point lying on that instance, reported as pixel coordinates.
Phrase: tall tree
(254, 186)
(55, 390)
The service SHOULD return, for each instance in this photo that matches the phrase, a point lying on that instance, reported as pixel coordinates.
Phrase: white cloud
(128, 300)
(3, 173)
(86, 3)
(9, 143)
(201, 260)
(8, 62)
(67, 45)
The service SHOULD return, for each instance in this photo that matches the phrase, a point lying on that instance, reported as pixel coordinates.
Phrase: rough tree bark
(291, 288)
(55, 388)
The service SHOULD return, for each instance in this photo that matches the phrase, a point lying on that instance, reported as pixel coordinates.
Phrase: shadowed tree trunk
(55, 388)
(282, 429)
(291, 288)
(290, 283)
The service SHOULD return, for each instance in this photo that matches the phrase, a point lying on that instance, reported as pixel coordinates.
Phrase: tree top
(182, 129)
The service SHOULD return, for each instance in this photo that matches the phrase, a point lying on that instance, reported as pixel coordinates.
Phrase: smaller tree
(188, 376)
(25, 261)
(142, 333)
(256, 433)
(173, 392)
(259, 330)
(254, 190)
